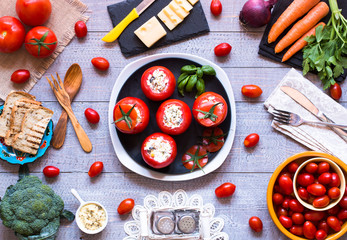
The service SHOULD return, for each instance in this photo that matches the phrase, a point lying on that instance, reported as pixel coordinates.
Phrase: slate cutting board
(267, 49)
(193, 25)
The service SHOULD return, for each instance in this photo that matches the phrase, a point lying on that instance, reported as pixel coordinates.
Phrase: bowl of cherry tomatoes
(296, 220)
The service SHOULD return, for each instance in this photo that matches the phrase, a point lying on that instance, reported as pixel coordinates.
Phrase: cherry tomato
(334, 210)
(335, 180)
(298, 218)
(210, 109)
(316, 189)
(334, 193)
(321, 235)
(311, 167)
(286, 184)
(195, 157)
(173, 117)
(292, 167)
(20, 76)
(216, 7)
(314, 216)
(345, 194)
(286, 221)
(309, 230)
(126, 206)
(33, 12)
(323, 167)
(95, 169)
(323, 225)
(296, 206)
(321, 202)
(222, 49)
(288, 174)
(297, 230)
(256, 224)
(285, 203)
(225, 190)
(282, 212)
(213, 139)
(251, 140)
(334, 223)
(159, 150)
(40, 42)
(342, 215)
(12, 34)
(251, 91)
(277, 198)
(335, 91)
(51, 171)
(131, 115)
(100, 63)
(305, 179)
(325, 178)
(158, 83)
(81, 29)
(92, 115)
(303, 194)
(343, 202)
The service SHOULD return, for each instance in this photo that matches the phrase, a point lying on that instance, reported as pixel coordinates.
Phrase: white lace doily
(210, 227)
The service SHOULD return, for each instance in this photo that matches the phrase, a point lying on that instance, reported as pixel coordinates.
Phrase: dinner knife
(308, 105)
(135, 13)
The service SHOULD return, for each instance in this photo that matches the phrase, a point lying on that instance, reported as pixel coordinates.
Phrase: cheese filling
(173, 116)
(92, 216)
(138, 118)
(157, 81)
(159, 149)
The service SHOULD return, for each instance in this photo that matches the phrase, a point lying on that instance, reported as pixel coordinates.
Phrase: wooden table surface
(249, 169)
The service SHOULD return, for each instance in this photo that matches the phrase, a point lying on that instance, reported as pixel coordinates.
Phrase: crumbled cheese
(92, 216)
(138, 118)
(173, 116)
(159, 149)
(157, 81)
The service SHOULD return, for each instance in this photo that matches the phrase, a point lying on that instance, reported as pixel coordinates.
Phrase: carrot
(296, 9)
(301, 43)
(302, 26)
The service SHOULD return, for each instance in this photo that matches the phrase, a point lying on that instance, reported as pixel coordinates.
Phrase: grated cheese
(159, 149)
(158, 81)
(173, 116)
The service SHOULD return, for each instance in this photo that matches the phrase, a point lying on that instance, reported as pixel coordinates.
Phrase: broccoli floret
(29, 207)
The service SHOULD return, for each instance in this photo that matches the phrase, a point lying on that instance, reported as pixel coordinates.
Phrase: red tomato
(33, 12)
(316, 189)
(297, 230)
(282, 212)
(126, 206)
(20, 76)
(334, 193)
(345, 194)
(323, 225)
(286, 184)
(213, 139)
(277, 198)
(251, 140)
(131, 115)
(158, 83)
(195, 157)
(225, 190)
(173, 117)
(335, 180)
(286, 221)
(51, 171)
(325, 178)
(309, 230)
(210, 109)
(222, 49)
(100, 63)
(95, 169)
(298, 218)
(216, 7)
(296, 206)
(314, 216)
(159, 150)
(305, 179)
(311, 167)
(256, 224)
(40, 42)
(321, 202)
(12, 34)
(303, 194)
(323, 167)
(334, 223)
(334, 210)
(321, 235)
(342, 215)
(81, 29)
(285, 203)
(288, 174)
(335, 91)
(343, 202)
(92, 115)
(292, 167)
(251, 91)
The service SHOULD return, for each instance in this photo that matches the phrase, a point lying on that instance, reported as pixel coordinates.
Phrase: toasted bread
(18, 111)
(33, 127)
(6, 113)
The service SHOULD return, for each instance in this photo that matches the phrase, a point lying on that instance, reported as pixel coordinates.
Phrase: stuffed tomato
(158, 83)
(210, 109)
(131, 115)
(174, 117)
(159, 150)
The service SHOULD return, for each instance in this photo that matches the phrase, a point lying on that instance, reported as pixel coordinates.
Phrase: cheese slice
(184, 4)
(193, 2)
(169, 17)
(150, 32)
(181, 12)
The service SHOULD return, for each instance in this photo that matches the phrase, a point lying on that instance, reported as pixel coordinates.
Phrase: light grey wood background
(249, 169)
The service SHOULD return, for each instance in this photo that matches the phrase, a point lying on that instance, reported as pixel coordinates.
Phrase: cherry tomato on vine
(12, 34)
(225, 190)
(81, 29)
(222, 49)
(51, 171)
(195, 157)
(251, 140)
(216, 7)
(256, 224)
(213, 139)
(100, 63)
(40, 42)
(95, 169)
(335, 91)
(33, 12)
(126, 206)
(251, 91)
(92, 115)
(20, 76)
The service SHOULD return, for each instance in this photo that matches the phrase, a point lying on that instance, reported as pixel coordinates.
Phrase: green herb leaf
(191, 83)
(208, 70)
(190, 69)
(68, 215)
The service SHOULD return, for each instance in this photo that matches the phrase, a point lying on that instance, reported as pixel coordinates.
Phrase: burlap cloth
(65, 13)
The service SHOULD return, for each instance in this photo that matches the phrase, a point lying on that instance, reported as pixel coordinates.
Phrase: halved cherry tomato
(334, 223)
(225, 190)
(316, 189)
(311, 167)
(334, 193)
(173, 117)
(95, 169)
(126, 206)
(321, 234)
(51, 171)
(216, 7)
(305, 179)
(20, 76)
(33, 12)
(81, 29)
(251, 91)
(286, 184)
(256, 224)
(195, 157)
(222, 49)
(325, 178)
(158, 83)
(159, 150)
(314, 216)
(321, 202)
(292, 167)
(335, 91)
(40, 42)
(12, 34)
(213, 139)
(277, 198)
(323, 167)
(92, 115)
(335, 180)
(286, 221)
(298, 218)
(131, 115)
(297, 230)
(309, 230)
(251, 140)
(100, 63)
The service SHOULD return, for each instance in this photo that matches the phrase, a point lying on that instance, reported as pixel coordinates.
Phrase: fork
(294, 119)
(64, 100)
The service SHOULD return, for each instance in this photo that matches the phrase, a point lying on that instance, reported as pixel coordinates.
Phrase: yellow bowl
(300, 158)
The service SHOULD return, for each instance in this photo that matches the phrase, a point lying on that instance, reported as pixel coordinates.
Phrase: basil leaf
(190, 69)
(191, 83)
(208, 70)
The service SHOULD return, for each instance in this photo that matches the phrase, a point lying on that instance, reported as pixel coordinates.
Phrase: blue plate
(16, 157)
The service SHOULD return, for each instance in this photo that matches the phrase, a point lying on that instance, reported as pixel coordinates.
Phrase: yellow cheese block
(150, 32)
(169, 17)
(184, 4)
(178, 10)
(193, 2)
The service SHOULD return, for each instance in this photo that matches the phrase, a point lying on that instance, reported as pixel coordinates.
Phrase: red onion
(256, 13)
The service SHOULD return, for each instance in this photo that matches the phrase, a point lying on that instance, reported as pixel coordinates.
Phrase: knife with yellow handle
(135, 13)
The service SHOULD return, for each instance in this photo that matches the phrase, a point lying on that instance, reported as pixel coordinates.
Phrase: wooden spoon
(72, 83)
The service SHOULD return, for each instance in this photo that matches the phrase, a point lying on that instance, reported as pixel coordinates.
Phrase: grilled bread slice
(6, 113)
(19, 109)
(33, 127)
